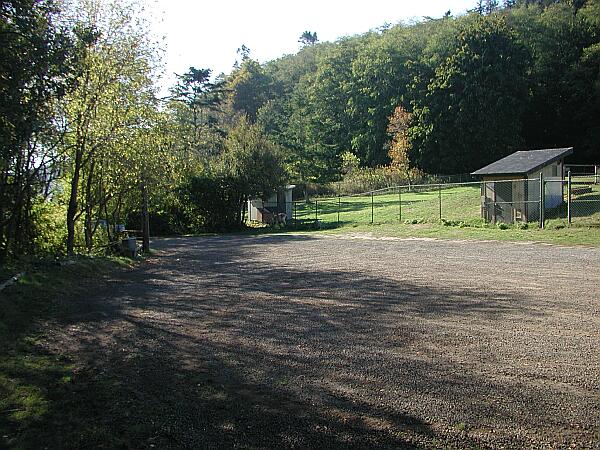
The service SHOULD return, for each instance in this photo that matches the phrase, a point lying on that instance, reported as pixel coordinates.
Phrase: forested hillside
(87, 143)
(476, 87)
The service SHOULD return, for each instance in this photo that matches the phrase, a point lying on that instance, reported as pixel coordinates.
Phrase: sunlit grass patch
(458, 203)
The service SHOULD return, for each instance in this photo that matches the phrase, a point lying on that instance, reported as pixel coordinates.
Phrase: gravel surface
(348, 341)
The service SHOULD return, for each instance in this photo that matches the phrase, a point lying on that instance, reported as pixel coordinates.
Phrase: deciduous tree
(37, 58)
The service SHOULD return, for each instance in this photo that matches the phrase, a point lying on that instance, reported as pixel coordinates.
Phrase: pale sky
(206, 34)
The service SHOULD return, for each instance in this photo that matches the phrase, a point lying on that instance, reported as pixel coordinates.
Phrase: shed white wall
(526, 194)
(554, 189)
(289, 203)
(253, 206)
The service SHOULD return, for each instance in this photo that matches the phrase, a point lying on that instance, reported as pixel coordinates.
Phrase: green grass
(459, 203)
(551, 234)
(418, 215)
(33, 382)
(586, 207)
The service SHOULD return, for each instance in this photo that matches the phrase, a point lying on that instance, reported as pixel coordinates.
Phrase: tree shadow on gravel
(218, 343)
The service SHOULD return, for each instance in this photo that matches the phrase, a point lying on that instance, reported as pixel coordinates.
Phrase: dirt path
(343, 341)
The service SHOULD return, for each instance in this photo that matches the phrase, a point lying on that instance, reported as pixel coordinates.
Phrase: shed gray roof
(524, 162)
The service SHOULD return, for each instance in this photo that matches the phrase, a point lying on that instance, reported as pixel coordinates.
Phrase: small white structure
(511, 191)
(266, 211)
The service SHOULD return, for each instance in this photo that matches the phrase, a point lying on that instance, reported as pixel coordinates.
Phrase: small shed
(511, 191)
(265, 211)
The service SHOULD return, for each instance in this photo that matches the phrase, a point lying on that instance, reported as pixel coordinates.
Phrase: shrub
(250, 166)
(216, 199)
(49, 227)
(368, 179)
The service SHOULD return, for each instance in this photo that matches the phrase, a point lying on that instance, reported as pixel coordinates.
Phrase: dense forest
(87, 143)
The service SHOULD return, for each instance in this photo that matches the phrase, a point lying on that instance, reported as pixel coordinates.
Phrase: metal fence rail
(588, 170)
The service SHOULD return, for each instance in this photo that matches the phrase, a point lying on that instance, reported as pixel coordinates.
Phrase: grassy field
(417, 214)
(459, 203)
(586, 207)
(553, 234)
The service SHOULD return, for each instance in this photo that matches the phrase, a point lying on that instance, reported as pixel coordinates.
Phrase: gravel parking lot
(343, 341)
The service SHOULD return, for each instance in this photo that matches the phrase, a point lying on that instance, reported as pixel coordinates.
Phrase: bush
(49, 226)
(249, 167)
(215, 199)
(454, 223)
(366, 179)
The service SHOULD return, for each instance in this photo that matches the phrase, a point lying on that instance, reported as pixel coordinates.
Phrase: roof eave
(568, 151)
(500, 174)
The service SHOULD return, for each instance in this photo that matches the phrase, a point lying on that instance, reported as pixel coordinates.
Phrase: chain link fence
(584, 199)
(574, 200)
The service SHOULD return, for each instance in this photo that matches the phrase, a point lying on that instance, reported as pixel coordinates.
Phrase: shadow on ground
(223, 342)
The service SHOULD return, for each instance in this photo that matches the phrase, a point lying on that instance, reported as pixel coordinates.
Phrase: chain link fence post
(569, 205)
(483, 201)
(295, 204)
(542, 205)
(372, 208)
(440, 199)
(399, 204)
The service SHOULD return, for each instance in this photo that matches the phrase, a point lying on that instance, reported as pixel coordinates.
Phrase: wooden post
(372, 208)
(145, 220)
(569, 211)
(542, 200)
(339, 207)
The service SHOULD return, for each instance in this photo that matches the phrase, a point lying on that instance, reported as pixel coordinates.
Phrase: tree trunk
(16, 225)
(243, 209)
(145, 220)
(108, 233)
(72, 208)
(89, 208)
